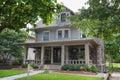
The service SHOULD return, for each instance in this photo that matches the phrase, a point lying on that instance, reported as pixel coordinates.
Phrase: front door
(47, 55)
(57, 55)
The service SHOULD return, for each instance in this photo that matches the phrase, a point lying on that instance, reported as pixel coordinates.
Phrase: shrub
(86, 67)
(64, 67)
(71, 67)
(77, 67)
(24, 65)
(94, 69)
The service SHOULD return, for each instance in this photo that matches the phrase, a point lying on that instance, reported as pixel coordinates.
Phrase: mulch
(77, 72)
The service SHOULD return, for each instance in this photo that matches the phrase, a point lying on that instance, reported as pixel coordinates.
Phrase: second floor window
(63, 33)
(66, 33)
(46, 36)
(59, 34)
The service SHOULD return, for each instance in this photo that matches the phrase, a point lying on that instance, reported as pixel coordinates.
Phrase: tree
(9, 47)
(17, 14)
(101, 18)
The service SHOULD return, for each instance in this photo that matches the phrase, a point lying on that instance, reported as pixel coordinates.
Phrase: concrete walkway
(20, 75)
(115, 76)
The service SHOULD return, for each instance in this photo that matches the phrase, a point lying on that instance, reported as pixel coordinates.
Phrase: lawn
(116, 67)
(60, 76)
(4, 73)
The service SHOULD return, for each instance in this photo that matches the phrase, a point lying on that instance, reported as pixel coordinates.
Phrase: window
(66, 33)
(63, 17)
(46, 36)
(63, 33)
(59, 34)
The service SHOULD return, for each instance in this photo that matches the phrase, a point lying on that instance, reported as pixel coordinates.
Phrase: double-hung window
(66, 33)
(46, 35)
(59, 34)
(63, 34)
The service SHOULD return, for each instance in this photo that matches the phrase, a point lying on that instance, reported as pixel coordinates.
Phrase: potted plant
(80, 54)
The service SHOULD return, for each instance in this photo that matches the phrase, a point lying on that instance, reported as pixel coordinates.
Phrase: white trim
(49, 35)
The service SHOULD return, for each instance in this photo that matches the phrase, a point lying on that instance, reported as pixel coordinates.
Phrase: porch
(61, 53)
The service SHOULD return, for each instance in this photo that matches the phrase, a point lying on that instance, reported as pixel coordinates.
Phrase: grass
(60, 76)
(116, 67)
(4, 73)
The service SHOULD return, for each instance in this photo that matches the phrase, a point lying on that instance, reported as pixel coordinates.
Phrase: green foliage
(86, 67)
(77, 68)
(9, 47)
(65, 67)
(94, 69)
(17, 14)
(80, 54)
(71, 67)
(24, 65)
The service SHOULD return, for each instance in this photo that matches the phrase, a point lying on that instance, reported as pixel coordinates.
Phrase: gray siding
(74, 34)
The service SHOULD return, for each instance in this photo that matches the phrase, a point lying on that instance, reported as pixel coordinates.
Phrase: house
(59, 43)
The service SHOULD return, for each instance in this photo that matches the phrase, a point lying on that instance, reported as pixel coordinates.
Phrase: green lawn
(4, 73)
(60, 76)
(116, 67)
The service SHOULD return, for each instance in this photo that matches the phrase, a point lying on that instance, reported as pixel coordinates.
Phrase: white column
(51, 55)
(42, 55)
(67, 54)
(25, 55)
(62, 54)
(87, 56)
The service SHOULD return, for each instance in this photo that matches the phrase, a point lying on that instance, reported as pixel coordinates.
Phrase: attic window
(63, 17)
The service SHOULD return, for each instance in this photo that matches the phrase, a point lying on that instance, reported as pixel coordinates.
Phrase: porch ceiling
(61, 42)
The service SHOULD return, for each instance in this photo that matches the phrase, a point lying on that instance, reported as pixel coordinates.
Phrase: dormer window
(63, 17)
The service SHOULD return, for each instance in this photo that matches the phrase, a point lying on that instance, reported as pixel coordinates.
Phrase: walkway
(20, 75)
(115, 76)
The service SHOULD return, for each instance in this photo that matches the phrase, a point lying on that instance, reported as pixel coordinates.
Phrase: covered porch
(85, 51)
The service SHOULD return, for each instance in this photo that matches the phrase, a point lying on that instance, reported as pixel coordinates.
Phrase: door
(47, 55)
(57, 55)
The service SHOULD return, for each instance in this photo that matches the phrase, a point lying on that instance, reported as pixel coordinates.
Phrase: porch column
(51, 54)
(62, 54)
(42, 55)
(25, 55)
(67, 55)
(87, 56)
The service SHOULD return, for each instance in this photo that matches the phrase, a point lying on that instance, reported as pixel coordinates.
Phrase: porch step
(53, 67)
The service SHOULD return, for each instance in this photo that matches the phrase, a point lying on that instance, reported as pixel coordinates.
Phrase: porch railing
(34, 62)
(81, 62)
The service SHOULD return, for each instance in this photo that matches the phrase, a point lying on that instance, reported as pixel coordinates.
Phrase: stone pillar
(42, 55)
(67, 54)
(51, 55)
(25, 55)
(87, 54)
(62, 54)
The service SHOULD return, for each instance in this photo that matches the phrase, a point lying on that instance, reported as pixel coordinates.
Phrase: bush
(86, 67)
(77, 67)
(94, 69)
(71, 67)
(24, 65)
(65, 67)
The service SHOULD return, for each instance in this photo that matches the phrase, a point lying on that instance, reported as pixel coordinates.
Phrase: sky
(74, 5)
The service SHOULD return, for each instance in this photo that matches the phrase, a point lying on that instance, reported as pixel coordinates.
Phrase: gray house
(59, 44)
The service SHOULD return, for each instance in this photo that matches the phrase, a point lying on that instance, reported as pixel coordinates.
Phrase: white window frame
(66, 13)
(63, 37)
(43, 35)
(68, 33)
(57, 33)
